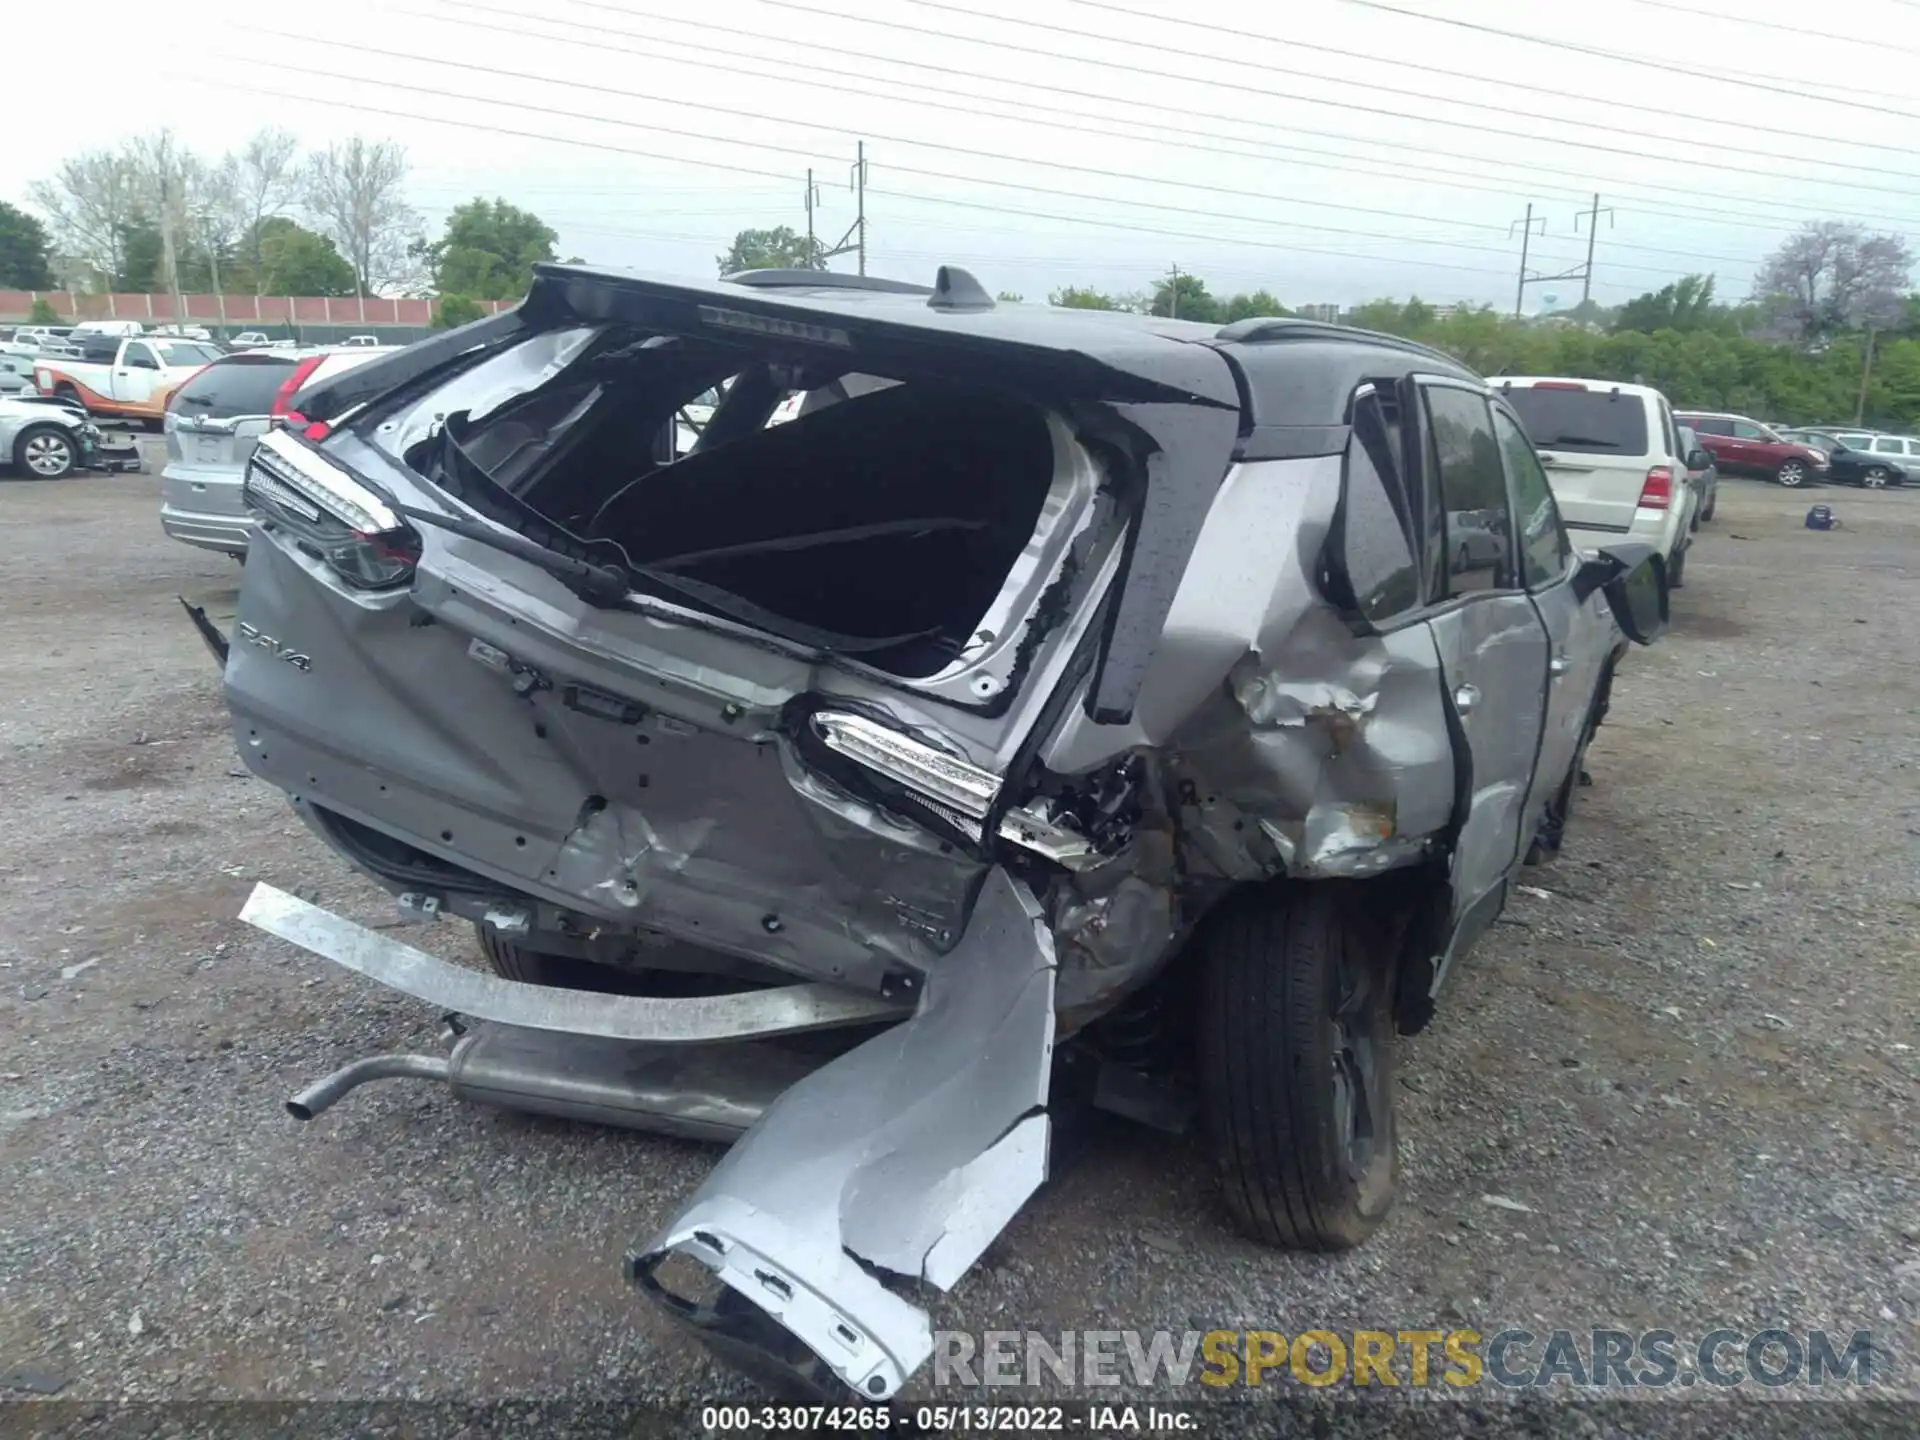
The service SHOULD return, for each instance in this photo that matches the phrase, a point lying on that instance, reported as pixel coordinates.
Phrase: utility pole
(813, 196)
(1526, 237)
(1525, 227)
(1866, 374)
(1593, 230)
(855, 240)
(860, 192)
(1173, 296)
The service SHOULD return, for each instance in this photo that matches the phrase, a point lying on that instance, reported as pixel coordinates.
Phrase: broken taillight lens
(329, 515)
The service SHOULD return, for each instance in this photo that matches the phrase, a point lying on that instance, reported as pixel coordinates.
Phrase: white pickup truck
(127, 378)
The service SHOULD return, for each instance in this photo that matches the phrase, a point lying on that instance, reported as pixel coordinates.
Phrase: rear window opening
(883, 518)
(1593, 422)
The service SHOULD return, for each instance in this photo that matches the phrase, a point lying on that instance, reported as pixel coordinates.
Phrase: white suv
(1615, 459)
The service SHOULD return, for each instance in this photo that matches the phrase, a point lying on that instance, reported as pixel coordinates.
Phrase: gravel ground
(1685, 1071)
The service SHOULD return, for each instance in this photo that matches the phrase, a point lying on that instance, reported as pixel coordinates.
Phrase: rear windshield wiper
(1561, 441)
(596, 584)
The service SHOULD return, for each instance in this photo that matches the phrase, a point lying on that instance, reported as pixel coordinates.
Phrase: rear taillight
(282, 408)
(1657, 493)
(328, 514)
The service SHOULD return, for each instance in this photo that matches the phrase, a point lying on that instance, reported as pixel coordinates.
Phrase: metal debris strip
(695, 1020)
(909, 1154)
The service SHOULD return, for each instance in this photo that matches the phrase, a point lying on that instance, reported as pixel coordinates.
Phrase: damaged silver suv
(980, 678)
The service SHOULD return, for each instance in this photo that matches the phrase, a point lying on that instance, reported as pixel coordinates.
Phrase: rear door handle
(1465, 698)
(1559, 666)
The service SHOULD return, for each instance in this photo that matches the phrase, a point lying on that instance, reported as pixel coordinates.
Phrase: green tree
(42, 313)
(1008, 297)
(140, 249)
(456, 310)
(1261, 304)
(1686, 304)
(1185, 299)
(1076, 298)
(26, 254)
(488, 251)
(777, 249)
(294, 261)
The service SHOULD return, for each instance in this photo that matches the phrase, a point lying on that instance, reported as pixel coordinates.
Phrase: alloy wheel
(1792, 474)
(48, 456)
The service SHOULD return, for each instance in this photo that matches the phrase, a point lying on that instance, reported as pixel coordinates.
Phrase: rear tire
(1793, 474)
(1713, 504)
(1875, 477)
(1296, 1048)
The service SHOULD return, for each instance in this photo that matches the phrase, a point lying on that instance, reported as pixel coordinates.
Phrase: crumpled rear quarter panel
(1294, 745)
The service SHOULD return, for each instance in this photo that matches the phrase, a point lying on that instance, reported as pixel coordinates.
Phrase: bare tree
(88, 203)
(217, 213)
(1833, 276)
(266, 184)
(355, 190)
(164, 174)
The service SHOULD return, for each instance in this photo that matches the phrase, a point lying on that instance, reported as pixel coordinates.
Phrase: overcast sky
(1050, 142)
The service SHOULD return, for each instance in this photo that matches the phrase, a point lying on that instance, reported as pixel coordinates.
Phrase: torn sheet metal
(908, 1154)
(782, 1010)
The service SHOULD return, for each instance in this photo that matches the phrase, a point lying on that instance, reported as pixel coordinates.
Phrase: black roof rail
(823, 280)
(1260, 330)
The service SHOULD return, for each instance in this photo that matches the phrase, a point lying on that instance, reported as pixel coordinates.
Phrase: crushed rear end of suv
(977, 704)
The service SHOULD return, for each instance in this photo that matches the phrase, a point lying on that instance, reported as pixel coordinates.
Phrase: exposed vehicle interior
(887, 514)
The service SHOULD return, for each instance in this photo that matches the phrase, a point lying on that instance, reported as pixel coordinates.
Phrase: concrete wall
(306, 317)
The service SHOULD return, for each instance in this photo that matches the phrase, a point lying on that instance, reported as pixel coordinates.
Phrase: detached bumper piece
(118, 460)
(907, 1156)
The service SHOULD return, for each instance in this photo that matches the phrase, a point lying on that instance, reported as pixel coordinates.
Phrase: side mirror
(1699, 459)
(1634, 579)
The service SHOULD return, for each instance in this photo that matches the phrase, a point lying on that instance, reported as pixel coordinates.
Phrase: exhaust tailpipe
(700, 1092)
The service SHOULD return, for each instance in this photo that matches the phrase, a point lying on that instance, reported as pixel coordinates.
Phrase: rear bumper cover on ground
(906, 1156)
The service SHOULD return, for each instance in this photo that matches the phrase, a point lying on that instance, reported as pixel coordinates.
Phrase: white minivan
(1615, 459)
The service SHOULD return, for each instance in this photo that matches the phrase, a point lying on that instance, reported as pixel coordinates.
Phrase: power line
(1105, 130)
(1505, 131)
(1850, 101)
(1725, 18)
(1051, 190)
(1666, 208)
(1292, 43)
(284, 94)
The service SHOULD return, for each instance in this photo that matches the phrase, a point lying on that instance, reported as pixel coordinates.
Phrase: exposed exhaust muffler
(701, 1092)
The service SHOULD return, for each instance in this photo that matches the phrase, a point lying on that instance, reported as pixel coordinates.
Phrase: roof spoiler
(333, 398)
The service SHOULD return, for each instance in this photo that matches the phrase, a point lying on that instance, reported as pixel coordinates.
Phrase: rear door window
(1746, 430)
(1544, 548)
(1375, 553)
(238, 385)
(1585, 422)
(1473, 488)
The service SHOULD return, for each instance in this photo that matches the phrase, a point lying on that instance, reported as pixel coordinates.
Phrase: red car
(1742, 446)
